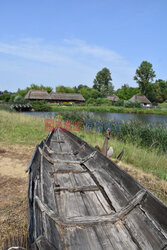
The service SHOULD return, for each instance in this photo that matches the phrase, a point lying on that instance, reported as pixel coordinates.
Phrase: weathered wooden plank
(84, 179)
(43, 244)
(81, 239)
(54, 233)
(144, 231)
(95, 204)
(114, 192)
(48, 191)
(102, 237)
(38, 221)
(103, 202)
(80, 203)
(62, 180)
(61, 204)
(71, 205)
(156, 211)
(67, 167)
(119, 236)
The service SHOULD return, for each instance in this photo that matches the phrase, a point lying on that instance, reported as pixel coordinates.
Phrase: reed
(106, 108)
(143, 135)
(16, 128)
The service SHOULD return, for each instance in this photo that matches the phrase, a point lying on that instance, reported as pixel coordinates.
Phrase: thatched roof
(44, 95)
(37, 95)
(113, 98)
(139, 98)
(67, 97)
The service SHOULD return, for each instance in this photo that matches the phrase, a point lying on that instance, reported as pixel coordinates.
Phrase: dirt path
(14, 184)
(13, 190)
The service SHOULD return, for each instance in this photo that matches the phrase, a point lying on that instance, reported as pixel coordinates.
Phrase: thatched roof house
(140, 98)
(53, 97)
(67, 97)
(113, 98)
(37, 95)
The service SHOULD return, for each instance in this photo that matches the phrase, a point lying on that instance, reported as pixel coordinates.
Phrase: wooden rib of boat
(80, 199)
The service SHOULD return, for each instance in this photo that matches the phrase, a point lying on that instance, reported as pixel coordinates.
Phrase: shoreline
(111, 109)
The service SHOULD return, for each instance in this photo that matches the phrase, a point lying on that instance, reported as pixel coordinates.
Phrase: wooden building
(113, 98)
(66, 97)
(33, 95)
(142, 99)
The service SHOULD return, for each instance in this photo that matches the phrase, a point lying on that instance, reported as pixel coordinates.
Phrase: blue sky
(67, 42)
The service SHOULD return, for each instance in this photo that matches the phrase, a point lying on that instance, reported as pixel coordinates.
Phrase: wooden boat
(80, 199)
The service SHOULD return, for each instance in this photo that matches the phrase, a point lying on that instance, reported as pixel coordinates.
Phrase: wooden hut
(142, 99)
(66, 97)
(113, 98)
(33, 95)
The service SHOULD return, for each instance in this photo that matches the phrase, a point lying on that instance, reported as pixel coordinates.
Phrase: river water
(153, 119)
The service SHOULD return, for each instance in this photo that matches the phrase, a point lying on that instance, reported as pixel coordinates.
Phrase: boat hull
(80, 199)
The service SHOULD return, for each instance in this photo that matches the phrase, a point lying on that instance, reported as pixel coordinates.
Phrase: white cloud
(98, 52)
(68, 62)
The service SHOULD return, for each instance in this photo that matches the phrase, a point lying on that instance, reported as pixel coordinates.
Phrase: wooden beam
(93, 220)
(66, 171)
(78, 161)
(78, 189)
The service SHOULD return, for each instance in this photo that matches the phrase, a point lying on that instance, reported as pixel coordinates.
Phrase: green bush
(119, 103)
(130, 104)
(41, 106)
(90, 101)
(18, 99)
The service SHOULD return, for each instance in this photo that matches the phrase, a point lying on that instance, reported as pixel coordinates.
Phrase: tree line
(155, 91)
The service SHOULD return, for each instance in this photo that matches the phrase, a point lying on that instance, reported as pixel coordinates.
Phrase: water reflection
(153, 119)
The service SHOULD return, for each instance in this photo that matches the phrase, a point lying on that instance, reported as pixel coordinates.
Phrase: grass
(163, 105)
(106, 108)
(145, 135)
(5, 107)
(16, 128)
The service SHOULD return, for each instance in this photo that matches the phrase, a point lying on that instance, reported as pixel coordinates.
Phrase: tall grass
(106, 108)
(21, 129)
(5, 107)
(16, 128)
(144, 135)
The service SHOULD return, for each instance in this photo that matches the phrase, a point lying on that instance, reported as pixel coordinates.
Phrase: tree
(23, 92)
(126, 92)
(144, 77)
(161, 89)
(89, 93)
(63, 89)
(103, 82)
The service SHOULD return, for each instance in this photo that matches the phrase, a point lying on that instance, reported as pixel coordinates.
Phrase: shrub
(130, 104)
(90, 101)
(41, 106)
(19, 99)
(119, 103)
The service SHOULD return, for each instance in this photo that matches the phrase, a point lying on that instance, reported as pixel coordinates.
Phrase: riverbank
(16, 128)
(107, 108)
(19, 135)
